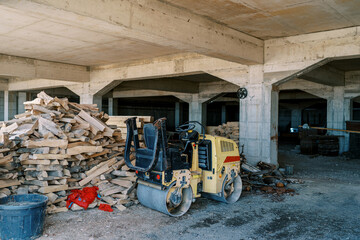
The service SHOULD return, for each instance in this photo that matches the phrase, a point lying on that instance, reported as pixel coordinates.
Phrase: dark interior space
(153, 106)
(224, 109)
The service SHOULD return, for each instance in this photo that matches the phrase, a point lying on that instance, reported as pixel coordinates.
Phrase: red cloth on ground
(83, 197)
(105, 207)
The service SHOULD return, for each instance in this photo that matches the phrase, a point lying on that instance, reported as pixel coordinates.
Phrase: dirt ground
(327, 207)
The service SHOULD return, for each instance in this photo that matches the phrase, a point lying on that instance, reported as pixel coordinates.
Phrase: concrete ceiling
(28, 35)
(277, 18)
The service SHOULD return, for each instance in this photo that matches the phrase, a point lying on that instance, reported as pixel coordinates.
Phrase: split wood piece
(112, 190)
(52, 197)
(98, 171)
(67, 120)
(53, 209)
(21, 120)
(120, 207)
(9, 183)
(35, 162)
(45, 110)
(123, 183)
(63, 102)
(109, 163)
(111, 201)
(52, 127)
(37, 101)
(50, 189)
(48, 156)
(46, 143)
(49, 167)
(9, 129)
(84, 149)
(123, 173)
(25, 129)
(106, 151)
(23, 115)
(94, 122)
(46, 98)
(6, 159)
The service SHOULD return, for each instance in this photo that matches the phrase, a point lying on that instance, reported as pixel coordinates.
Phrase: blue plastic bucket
(22, 216)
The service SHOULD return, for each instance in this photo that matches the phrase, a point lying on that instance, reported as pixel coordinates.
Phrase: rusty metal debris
(265, 178)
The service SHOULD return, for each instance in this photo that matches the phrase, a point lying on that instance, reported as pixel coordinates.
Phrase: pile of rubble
(56, 146)
(266, 178)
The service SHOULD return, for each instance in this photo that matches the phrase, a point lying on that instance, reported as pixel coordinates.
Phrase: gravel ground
(327, 207)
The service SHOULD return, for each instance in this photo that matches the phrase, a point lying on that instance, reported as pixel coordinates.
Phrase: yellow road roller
(170, 178)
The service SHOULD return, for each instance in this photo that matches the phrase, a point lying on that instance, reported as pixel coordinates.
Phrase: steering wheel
(190, 125)
(185, 127)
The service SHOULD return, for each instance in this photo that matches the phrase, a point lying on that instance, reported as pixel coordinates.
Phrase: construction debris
(266, 178)
(56, 146)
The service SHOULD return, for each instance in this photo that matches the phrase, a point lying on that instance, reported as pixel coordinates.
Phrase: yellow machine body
(225, 160)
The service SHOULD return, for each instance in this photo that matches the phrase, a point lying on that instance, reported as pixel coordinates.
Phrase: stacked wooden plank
(10, 170)
(56, 146)
(229, 130)
(119, 122)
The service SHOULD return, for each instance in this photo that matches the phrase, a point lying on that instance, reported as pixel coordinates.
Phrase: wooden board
(46, 143)
(55, 188)
(84, 149)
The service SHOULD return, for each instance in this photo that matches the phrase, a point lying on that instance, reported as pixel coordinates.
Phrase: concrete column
(177, 114)
(223, 113)
(86, 98)
(6, 105)
(339, 111)
(111, 106)
(295, 117)
(21, 99)
(197, 112)
(91, 99)
(259, 124)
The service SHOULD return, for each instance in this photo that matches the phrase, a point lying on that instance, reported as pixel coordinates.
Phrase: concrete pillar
(223, 113)
(6, 105)
(177, 114)
(111, 106)
(91, 99)
(339, 111)
(197, 111)
(295, 117)
(21, 99)
(259, 124)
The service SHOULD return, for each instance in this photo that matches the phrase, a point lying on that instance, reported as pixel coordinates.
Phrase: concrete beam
(28, 69)
(164, 84)
(140, 93)
(289, 57)
(22, 85)
(139, 20)
(325, 75)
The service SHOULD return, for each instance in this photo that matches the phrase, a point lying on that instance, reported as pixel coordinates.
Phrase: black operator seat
(144, 156)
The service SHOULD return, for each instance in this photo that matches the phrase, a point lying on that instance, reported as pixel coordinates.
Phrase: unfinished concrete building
(299, 61)
(187, 55)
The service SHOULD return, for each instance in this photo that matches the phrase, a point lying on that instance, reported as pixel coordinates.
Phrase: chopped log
(84, 149)
(9, 183)
(50, 189)
(46, 143)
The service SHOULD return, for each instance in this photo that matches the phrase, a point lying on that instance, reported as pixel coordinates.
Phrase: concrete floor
(327, 207)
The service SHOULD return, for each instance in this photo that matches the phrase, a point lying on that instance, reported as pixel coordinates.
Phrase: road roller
(171, 177)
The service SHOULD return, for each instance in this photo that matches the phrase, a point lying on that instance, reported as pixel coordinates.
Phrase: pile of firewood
(229, 130)
(56, 146)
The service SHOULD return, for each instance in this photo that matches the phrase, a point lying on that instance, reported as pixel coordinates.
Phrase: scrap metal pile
(266, 178)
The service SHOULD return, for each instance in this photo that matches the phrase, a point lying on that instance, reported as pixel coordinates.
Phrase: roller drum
(233, 197)
(157, 199)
